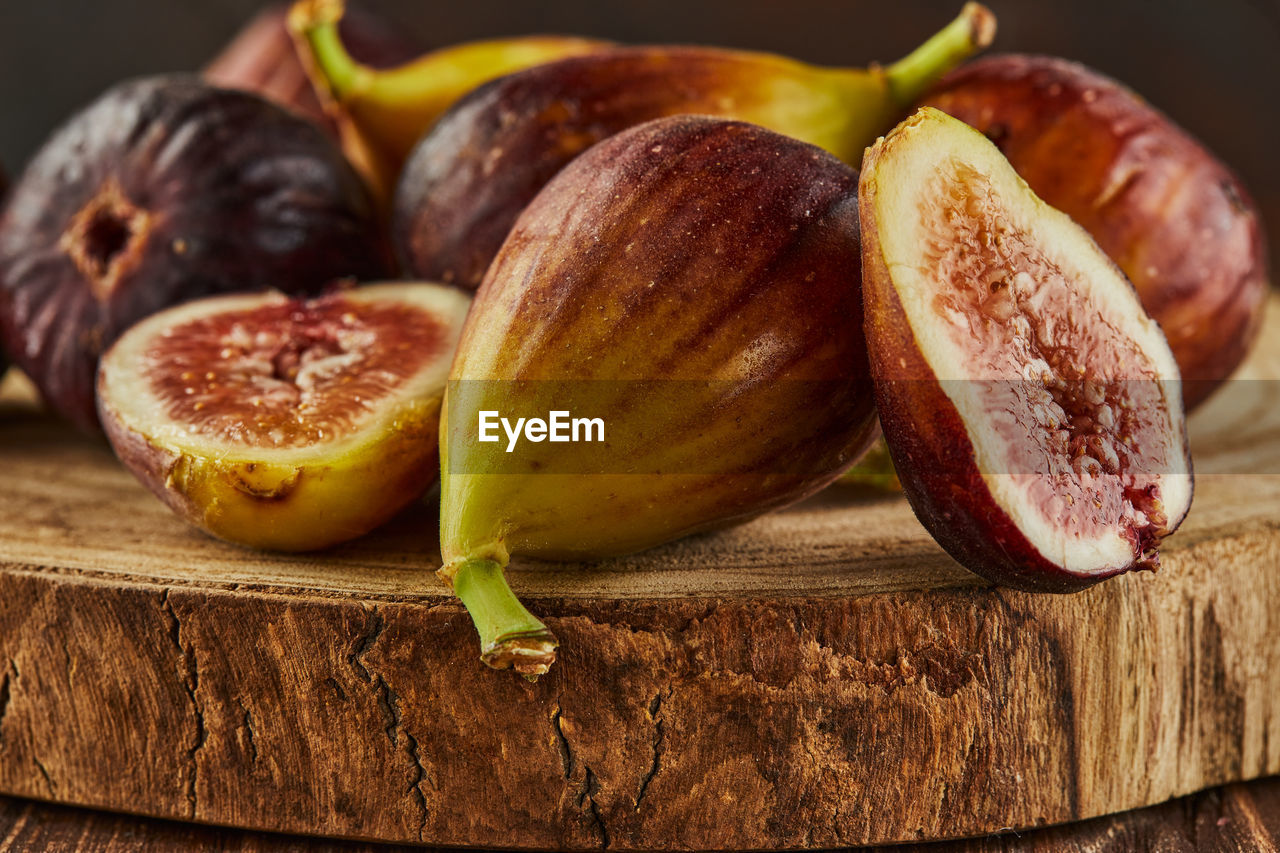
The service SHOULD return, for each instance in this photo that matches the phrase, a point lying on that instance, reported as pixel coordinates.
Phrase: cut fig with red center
(282, 423)
(1031, 406)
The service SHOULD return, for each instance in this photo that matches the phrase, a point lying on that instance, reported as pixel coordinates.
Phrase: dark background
(1213, 66)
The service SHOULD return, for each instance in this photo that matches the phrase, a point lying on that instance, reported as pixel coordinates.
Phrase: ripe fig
(166, 189)
(1030, 404)
(693, 283)
(468, 180)
(281, 423)
(262, 58)
(382, 113)
(1173, 217)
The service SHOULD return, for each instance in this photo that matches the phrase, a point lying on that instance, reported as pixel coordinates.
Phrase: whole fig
(1173, 217)
(162, 190)
(693, 285)
(468, 179)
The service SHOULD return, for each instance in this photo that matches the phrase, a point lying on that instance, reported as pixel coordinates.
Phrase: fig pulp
(1031, 406)
(694, 284)
(262, 58)
(468, 180)
(281, 423)
(166, 189)
(1175, 219)
(382, 113)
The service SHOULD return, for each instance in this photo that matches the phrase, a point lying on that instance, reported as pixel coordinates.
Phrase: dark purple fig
(163, 190)
(1172, 217)
(263, 58)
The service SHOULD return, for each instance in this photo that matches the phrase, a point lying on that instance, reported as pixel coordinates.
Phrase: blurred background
(1214, 67)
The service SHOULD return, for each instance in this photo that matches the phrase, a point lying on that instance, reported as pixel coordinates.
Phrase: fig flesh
(262, 58)
(692, 282)
(281, 423)
(467, 181)
(167, 189)
(381, 113)
(1175, 219)
(1031, 406)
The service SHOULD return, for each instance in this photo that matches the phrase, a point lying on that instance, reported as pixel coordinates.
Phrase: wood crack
(251, 744)
(659, 735)
(189, 675)
(4, 702)
(44, 771)
(591, 787)
(389, 703)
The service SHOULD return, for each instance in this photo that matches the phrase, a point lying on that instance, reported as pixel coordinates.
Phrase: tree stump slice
(825, 676)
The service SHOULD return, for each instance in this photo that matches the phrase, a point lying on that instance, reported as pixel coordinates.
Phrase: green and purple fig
(1175, 219)
(692, 284)
(467, 181)
(1031, 406)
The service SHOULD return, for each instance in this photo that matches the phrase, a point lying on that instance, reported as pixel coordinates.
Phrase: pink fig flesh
(1030, 404)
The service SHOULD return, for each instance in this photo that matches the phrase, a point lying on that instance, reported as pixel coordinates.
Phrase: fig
(166, 189)
(692, 283)
(1175, 219)
(262, 58)
(283, 423)
(381, 113)
(1031, 406)
(467, 181)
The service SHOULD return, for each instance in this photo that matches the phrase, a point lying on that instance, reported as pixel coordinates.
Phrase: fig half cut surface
(280, 423)
(1031, 406)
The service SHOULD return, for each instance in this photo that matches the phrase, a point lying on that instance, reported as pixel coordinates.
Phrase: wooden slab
(822, 677)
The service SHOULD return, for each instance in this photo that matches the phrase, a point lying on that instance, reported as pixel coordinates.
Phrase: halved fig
(281, 423)
(1031, 406)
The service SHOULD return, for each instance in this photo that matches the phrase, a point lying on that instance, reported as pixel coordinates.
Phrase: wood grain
(825, 676)
(1234, 818)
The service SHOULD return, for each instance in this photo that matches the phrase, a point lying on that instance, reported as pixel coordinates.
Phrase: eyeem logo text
(558, 426)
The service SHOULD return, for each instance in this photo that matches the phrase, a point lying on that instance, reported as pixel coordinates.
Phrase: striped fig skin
(467, 181)
(1173, 218)
(686, 248)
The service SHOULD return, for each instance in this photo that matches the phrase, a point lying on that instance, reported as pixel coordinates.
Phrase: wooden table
(1238, 817)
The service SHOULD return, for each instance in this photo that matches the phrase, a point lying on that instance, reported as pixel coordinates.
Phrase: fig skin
(1176, 220)
(687, 249)
(468, 179)
(162, 190)
(933, 453)
(262, 58)
(303, 499)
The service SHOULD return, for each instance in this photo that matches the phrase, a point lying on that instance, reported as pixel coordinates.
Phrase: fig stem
(314, 25)
(971, 31)
(510, 636)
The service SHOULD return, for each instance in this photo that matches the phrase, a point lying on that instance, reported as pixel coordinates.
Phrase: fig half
(1031, 406)
(1173, 217)
(162, 190)
(280, 423)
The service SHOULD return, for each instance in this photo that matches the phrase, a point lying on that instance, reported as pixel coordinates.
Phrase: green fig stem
(510, 636)
(316, 23)
(909, 77)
